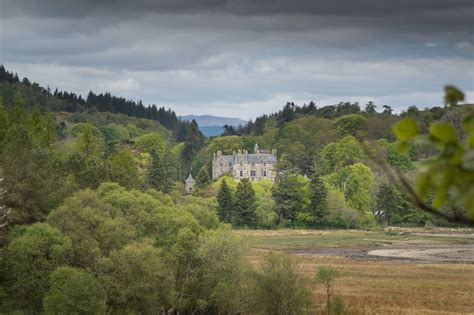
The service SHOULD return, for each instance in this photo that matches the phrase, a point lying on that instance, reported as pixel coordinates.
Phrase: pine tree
(202, 179)
(318, 201)
(226, 203)
(26, 174)
(160, 174)
(245, 203)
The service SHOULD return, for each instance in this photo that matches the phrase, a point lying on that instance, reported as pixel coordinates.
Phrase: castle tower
(189, 184)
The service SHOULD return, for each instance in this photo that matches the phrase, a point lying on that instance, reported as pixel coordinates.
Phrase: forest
(94, 218)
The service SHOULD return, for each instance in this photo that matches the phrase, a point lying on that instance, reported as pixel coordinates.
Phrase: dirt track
(409, 253)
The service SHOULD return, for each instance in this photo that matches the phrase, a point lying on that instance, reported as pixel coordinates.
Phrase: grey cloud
(203, 55)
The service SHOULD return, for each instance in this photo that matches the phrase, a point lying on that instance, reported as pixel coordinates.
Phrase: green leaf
(468, 160)
(445, 132)
(405, 129)
(470, 141)
(423, 184)
(468, 124)
(439, 199)
(402, 147)
(442, 177)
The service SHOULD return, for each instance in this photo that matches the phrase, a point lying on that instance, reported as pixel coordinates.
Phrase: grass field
(286, 239)
(380, 286)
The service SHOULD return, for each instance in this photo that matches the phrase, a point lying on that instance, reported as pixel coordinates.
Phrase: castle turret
(189, 184)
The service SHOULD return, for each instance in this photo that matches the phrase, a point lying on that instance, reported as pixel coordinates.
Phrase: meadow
(380, 285)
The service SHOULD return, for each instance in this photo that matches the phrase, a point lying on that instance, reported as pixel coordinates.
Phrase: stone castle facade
(241, 164)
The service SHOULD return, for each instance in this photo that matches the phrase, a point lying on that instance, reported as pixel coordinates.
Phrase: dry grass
(378, 287)
(381, 287)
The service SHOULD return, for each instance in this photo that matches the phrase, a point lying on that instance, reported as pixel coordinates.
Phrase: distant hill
(211, 131)
(208, 120)
(213, 125)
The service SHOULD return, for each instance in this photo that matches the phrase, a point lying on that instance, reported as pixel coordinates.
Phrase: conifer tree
(318, 201)
(226, 203)
(27, 176)
(202, 179)
(160, 174)
(245, 203)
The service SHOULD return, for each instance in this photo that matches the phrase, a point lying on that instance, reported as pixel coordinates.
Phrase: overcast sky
(242, 58)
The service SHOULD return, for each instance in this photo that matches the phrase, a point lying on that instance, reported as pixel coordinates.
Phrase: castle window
(264, 164)
(252, 173)
(264, 173)
(253, 163)
(241, 164)
(241, 173)
(220, 164)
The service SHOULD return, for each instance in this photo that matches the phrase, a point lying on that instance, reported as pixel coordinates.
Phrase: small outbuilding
(189, 184)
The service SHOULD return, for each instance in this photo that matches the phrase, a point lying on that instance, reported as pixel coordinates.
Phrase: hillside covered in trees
(91, 191)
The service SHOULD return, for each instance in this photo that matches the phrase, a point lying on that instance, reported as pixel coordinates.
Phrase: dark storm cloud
(212, 53)
(74, 8)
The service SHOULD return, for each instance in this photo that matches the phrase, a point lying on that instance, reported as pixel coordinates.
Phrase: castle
(241, 164)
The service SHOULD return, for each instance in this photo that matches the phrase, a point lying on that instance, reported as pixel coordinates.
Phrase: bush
(279, 288)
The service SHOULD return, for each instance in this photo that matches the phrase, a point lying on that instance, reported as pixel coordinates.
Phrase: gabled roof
(190, 178)
(249, 158)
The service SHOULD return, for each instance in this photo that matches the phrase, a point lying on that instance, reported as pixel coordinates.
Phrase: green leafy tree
(73, 291)
(224, 284)
(123, 169)
(4, 122)
(388, 203)
(93, 226)
(87, 171)
(279, 287)
(370, 108)
(161, 170)
(245, 203)
(202, 179)
(32, 177)
(32, 255)
(41, 128)
(90, 142)
(292, 195)
(356, 182)
(337, 155)
(340, 214)
(327, 276)
(350, 124)
(150, 141)
(136, 279)
(225, 144)
(226, 203)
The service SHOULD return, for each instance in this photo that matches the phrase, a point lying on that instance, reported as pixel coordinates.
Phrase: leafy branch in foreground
(448, 178)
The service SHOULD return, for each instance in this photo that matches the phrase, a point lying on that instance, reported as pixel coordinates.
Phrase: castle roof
(190, 178)
(249, 158)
